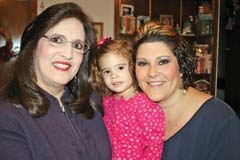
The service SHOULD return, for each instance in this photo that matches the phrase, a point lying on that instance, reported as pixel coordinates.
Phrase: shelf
(196, 36)
(179, 10)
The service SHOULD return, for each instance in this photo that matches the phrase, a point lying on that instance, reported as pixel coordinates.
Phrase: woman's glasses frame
(57, 40)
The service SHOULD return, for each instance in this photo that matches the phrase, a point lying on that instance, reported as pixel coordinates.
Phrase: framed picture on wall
(126, 10)
(99, 29)
(166, 19)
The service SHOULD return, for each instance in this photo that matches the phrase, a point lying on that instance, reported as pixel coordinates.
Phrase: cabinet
(14, 15)
(203, 40)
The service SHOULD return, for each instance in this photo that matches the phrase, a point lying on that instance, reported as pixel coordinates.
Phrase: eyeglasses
(60, 41)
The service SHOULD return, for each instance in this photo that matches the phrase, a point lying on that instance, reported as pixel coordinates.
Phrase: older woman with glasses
(45, 107)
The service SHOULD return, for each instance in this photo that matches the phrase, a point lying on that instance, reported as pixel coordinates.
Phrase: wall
(98, 10)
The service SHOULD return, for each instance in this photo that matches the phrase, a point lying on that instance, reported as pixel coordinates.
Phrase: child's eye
(105, 72)
(121, 67)
(163, 61)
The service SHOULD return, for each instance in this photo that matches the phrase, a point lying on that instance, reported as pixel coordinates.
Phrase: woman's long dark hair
(20, 87)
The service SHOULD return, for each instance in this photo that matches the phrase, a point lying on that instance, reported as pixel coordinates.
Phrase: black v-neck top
(213, 133)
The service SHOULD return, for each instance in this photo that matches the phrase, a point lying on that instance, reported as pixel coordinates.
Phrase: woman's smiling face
(56, 66)
(157, 71)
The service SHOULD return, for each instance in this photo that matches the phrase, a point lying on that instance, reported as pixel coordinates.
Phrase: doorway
(229, 54)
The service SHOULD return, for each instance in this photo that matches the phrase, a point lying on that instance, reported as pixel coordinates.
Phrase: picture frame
(142, 20)
(166, 19)
(126, 10)
(98, 26)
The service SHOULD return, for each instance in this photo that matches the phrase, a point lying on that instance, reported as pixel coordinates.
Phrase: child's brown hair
(106, 45)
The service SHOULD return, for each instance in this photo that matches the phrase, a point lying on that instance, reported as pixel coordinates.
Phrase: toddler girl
(135, 124)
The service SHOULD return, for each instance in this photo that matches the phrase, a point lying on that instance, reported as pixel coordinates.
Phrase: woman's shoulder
(13, 112)
(208, 104)
(215, 113)
(217, 106)
(8, 107)
(13, 117)
(210, 109)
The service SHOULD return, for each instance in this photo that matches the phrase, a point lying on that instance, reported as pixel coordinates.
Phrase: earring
(184, 91)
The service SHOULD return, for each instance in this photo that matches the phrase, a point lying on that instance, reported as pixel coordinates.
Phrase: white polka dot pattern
(136, 127)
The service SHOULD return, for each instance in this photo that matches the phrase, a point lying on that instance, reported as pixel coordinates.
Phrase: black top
(57, 135)
(213, 133)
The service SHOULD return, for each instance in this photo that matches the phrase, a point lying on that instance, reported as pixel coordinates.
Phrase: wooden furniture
(180, 10)
(15, 15)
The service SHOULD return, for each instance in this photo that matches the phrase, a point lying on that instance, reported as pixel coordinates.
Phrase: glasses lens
(80, 47)
(60, 40)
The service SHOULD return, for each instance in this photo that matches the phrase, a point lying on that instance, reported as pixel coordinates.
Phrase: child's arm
(153, 122)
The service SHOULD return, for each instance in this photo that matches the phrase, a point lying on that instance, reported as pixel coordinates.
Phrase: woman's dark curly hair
(21, 87)
(155, 32)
